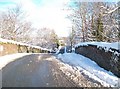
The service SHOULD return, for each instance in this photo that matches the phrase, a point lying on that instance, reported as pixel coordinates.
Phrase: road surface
(36, 70)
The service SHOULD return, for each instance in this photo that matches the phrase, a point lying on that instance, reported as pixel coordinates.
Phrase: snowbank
(101, 44)
(4, 60)
(90, 68)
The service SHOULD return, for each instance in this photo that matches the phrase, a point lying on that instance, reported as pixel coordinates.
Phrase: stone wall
(107, 60)
(9, 48)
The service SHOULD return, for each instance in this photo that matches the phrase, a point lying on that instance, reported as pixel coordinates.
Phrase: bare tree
(13, 24)
(95, 21)
(81, 19)
(71, 38)
(46, 38)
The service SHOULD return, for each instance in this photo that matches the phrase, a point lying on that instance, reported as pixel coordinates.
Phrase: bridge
(46, 70)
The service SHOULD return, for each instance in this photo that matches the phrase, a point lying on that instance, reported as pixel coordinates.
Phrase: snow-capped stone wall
(10, 47)
(109, 60)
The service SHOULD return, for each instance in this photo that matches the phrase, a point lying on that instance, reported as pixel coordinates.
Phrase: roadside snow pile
(106, 45)
(4, 60)
(90, 68)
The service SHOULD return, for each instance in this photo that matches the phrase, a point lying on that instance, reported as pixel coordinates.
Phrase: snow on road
(90, 68)
(4, 60)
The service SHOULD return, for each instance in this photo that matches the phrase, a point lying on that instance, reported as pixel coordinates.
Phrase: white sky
(46, 13)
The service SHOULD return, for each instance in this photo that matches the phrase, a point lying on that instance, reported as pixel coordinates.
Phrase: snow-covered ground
(4, 60)
(90, 68)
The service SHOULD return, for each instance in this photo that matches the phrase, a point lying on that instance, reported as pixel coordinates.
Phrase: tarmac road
(35, 70)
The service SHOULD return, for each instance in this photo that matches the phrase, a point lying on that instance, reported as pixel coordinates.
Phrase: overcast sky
(45, 13)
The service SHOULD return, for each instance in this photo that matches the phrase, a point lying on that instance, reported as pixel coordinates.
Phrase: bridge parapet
(10, 47)
(109, 60)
